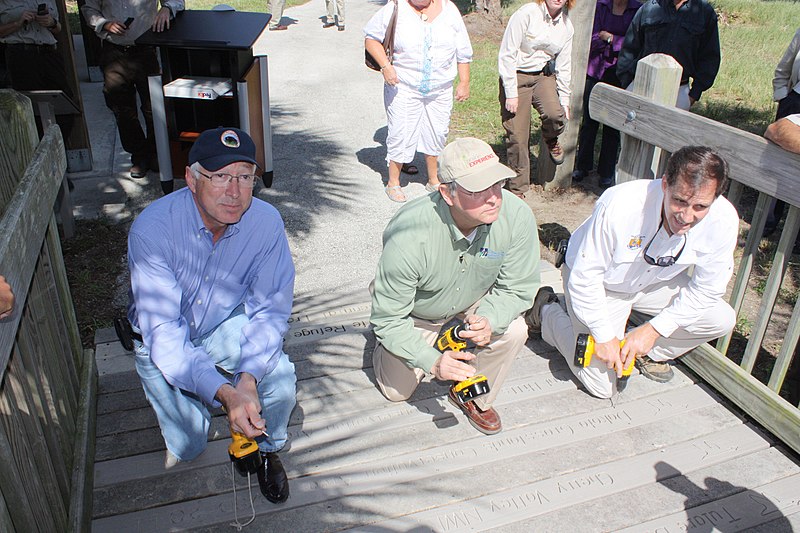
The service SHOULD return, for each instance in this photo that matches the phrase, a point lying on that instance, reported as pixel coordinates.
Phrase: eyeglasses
(667, 260)
(221, 180)
(495, 189)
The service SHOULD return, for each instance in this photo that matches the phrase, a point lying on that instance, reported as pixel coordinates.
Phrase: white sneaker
(170, 460)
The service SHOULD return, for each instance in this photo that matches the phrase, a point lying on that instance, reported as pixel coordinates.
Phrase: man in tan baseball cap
(469, 251)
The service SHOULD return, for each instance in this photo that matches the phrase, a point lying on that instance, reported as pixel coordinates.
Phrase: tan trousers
(537, 91)
(398, 382)
(335, 9)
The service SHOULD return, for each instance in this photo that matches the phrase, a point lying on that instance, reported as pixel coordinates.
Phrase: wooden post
(547, 173)
(79, 150)
(658, 77)
(18, 139)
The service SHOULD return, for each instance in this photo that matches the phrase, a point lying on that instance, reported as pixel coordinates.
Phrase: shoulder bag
(388, 42)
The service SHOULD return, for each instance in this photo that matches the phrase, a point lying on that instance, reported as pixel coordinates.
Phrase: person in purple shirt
(211, 292)
(611, 21)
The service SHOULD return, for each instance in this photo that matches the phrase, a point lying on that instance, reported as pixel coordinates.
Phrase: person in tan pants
(468, 251)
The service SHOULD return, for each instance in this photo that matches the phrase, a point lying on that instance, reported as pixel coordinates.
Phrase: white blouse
(426, 53)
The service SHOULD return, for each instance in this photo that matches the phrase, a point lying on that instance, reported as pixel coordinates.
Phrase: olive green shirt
(429, 270)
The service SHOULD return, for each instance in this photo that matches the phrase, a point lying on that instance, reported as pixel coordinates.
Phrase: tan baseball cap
(472, 164)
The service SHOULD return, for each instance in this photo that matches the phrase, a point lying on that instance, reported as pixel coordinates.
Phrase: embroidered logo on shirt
(635, 242)
(490, 254)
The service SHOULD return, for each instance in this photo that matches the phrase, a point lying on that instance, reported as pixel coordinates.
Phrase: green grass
(753, 35)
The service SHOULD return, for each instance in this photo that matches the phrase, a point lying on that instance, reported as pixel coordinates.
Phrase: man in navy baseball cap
(211, 287)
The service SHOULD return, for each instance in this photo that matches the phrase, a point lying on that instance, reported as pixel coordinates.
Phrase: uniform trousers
(125, 72)
(538, 91)
(398, 382)
(560, 328)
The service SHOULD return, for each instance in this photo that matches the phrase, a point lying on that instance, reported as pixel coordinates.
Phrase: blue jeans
(182, 416)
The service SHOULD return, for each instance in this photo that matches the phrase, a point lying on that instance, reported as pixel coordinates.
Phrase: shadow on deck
(666, 457)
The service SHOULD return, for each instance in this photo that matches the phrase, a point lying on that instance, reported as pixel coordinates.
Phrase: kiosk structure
(210, 78)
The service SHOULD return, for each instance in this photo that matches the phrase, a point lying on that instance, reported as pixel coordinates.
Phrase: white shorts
(416, 123)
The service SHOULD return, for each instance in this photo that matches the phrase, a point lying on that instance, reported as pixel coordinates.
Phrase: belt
(34, 47)
(529, 73)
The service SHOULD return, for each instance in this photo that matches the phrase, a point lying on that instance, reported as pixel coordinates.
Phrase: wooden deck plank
(351, 467)
(574, 488)
(357, 460)
(681, 495)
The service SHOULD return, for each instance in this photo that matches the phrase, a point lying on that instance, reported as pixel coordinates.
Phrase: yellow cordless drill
(584, 349)
(450, 339)
(244, 454)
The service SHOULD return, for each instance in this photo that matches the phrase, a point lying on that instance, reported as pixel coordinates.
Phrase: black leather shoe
(272, 478)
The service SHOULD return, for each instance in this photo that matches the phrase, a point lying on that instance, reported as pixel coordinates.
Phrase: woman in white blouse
(431, 46)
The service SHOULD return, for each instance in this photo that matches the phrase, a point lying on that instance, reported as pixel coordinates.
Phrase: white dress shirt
(606, 254)
(532, 38)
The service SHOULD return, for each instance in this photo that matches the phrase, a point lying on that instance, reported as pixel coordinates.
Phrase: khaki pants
(561, 329)
(398, 382)
(335, 9)
(539, 91)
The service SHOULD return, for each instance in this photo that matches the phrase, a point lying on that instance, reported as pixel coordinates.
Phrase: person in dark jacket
(684, 29)
(611, 21)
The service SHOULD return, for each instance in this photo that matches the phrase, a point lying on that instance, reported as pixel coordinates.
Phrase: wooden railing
(47, 381)
(755, 163)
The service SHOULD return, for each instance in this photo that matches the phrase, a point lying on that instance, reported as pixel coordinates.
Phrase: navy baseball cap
(222, 146)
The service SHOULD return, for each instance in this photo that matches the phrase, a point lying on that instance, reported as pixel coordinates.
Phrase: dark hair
(694, 165)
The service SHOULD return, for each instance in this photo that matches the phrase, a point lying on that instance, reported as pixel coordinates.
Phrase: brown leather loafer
(487, 422)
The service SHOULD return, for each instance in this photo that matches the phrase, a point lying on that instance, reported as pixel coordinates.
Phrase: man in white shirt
(634, 253)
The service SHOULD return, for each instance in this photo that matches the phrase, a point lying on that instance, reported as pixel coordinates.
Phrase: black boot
(272, 478)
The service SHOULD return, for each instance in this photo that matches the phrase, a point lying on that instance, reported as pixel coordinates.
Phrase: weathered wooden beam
(746, 264)
(753, 160)
(24, 224)
(658, 78)
(80, 505)
(20, 482)
(41, 471)
(547, 173)
(18, 139)
(780, 263)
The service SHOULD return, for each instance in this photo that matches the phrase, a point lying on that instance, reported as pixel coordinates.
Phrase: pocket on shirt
(692, 28)
(487, 270)
(228, 295)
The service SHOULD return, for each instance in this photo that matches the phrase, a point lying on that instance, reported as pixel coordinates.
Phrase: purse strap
(388, 41)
